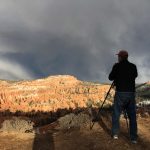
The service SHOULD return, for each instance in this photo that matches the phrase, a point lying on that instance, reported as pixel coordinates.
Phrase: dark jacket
(124, 74)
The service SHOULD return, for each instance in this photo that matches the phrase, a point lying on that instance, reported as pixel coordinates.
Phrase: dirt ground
(51, 138)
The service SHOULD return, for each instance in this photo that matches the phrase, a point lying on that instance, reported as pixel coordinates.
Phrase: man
(124, 74)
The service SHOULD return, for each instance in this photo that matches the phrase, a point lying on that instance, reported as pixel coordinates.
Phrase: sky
(40, 38)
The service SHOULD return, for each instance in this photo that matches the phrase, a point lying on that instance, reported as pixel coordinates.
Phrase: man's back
(124, 74)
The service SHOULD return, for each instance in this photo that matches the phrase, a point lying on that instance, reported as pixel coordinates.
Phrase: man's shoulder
(116, 64)
(132, 64)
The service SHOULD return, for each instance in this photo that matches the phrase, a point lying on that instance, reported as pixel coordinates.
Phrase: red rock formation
(148, 82)
(49, 94)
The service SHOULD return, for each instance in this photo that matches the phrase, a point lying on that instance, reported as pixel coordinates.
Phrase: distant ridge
(50, 94)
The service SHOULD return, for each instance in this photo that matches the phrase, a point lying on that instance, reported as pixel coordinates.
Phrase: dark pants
(124, 100)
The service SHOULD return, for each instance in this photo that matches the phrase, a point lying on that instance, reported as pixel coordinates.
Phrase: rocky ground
(54, 137)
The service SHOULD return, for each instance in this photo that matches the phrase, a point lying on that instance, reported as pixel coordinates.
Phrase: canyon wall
(50, 94)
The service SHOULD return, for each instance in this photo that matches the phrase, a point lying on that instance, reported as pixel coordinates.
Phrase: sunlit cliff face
(51, 94)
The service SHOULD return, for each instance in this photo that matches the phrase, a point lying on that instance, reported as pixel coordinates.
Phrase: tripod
(100, 109)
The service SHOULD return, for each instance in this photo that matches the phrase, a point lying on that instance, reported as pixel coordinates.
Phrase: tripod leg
(100, 109)
(126, 118)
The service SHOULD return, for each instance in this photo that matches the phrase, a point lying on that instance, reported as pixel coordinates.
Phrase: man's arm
(136, 72)
(112, 75)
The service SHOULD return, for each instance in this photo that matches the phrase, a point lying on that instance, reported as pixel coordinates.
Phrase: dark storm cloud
(77, 37)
